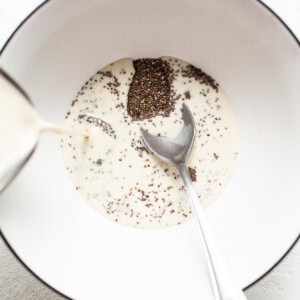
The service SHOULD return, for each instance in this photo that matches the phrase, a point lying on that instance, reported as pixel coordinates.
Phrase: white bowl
(254, 57)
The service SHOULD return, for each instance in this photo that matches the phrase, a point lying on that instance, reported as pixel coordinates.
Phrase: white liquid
(20, 126)
(129, 185)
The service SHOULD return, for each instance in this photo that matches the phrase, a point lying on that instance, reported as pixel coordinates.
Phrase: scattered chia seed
(216, 156)
(99, 162)
(106, 127)
(187, 95)
(193, 174)
(200, 76)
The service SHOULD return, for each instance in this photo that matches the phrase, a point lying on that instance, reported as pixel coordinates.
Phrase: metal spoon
(176, 152)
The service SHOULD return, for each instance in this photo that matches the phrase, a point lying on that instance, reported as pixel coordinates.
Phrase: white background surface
(17, 283)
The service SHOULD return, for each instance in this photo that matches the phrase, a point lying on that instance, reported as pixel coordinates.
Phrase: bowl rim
(6, 242)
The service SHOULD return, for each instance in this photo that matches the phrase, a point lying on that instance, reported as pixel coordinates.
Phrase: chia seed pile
(150, 90)
(113, 170)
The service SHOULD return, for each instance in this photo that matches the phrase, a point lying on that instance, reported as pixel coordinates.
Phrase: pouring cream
(20, 127)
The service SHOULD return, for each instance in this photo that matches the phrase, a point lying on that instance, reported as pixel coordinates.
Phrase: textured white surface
(17, 283)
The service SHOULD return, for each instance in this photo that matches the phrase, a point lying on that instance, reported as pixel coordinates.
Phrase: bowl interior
(255, 60)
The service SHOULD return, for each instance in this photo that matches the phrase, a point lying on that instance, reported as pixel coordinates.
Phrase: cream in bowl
(115, 173)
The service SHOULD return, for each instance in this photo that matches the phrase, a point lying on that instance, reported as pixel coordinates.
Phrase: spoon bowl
(177, 150)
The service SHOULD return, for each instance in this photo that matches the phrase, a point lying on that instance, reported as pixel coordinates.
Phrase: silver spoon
(176, 152)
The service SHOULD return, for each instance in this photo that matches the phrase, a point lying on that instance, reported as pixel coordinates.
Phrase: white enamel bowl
(254, 57)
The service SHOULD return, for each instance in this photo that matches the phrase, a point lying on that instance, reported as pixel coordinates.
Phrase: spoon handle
(221, 281)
